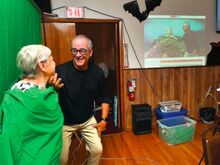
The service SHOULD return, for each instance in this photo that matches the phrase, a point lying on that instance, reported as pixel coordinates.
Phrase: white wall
(135, 28)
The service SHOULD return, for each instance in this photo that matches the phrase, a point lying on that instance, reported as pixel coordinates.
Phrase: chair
(211, 145)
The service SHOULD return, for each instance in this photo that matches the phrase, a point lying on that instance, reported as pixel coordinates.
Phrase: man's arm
(101, 126)
(105, 110)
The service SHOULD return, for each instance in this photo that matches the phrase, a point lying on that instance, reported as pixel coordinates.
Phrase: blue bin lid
(160, 114)
(174, 121)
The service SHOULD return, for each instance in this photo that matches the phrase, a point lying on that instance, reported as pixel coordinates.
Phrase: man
(83, 82)
(190, 39)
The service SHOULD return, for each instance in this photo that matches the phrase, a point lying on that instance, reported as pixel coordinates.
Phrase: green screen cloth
(30, 127)
(20, 26)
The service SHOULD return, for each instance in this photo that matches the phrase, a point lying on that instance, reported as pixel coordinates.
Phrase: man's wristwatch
(104, 119)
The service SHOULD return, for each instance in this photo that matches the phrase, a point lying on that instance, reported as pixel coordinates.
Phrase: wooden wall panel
(58, 37)
(188, 85)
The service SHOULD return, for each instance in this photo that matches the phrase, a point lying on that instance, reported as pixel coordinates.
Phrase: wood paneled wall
(188, 85)
(53, 33)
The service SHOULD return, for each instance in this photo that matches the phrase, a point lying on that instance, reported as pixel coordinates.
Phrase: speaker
(141, 118)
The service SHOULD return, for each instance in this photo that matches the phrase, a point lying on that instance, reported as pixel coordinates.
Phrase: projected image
(174, 41)
(218, 15)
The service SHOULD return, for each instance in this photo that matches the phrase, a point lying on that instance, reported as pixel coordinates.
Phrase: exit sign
(74, 12)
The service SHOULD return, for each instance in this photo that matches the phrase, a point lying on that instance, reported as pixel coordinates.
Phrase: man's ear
(91, 52)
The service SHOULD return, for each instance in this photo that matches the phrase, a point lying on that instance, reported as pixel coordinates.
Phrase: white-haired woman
(30, 117)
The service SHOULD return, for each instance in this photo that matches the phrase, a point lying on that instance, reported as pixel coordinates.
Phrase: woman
(30, 116)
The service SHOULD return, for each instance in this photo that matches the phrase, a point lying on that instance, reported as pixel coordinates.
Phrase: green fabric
(30, 127)
(20, 25)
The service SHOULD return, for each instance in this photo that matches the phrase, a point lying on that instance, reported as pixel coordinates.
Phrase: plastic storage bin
(176, 130)
(164, 115)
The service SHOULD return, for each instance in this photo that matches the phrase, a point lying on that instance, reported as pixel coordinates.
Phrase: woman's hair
(83, 36)
(29, 56)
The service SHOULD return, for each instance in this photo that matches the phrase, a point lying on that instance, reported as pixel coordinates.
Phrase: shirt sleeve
(103, 90)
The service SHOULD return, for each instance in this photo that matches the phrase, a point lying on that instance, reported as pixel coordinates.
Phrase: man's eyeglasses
(81, 51)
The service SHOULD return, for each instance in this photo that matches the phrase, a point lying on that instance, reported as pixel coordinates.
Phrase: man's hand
(101, 126)
(55, 82)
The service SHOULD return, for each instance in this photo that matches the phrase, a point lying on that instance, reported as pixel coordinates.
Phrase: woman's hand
(55, 82)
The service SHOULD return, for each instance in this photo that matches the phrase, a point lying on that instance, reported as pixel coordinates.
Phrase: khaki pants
(91, 137)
